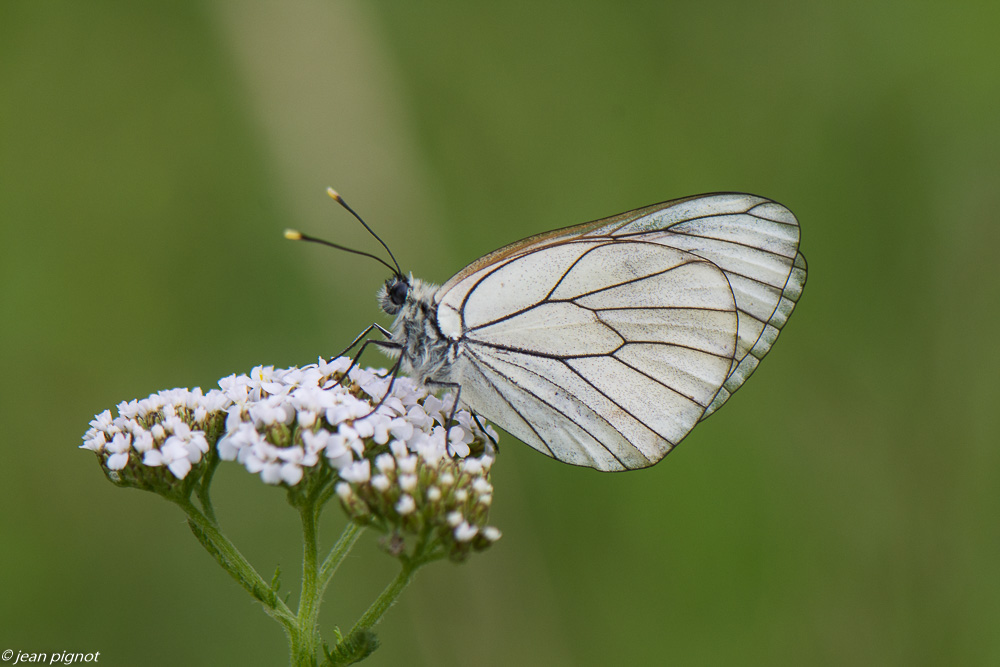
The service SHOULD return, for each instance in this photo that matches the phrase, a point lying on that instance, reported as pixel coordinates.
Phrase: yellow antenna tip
(333, 193)
(293, 235)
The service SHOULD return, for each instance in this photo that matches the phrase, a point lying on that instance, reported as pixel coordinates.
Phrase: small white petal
(406, 505)
(119, 444)
(401, 429)
(180, 468)
(465, 532)
(365, 428)
(117, 461)
(270, 473)
(143, 442)
(407, 465)
(359, 471)
(153, 458)
(385, 463)
(398, 449)
(459, 449)
(102, 421)
(291, 474)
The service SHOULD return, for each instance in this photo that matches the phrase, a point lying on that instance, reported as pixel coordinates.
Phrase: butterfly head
(392, 295)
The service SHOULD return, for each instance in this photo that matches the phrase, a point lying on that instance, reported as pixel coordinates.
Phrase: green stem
(229, 557)
(348, 537)
(423, 553)
(388, 597)
(361, 641)
(202, 490)
(306, 640)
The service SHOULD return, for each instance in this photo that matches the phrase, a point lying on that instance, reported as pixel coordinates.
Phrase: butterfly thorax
(426, 353)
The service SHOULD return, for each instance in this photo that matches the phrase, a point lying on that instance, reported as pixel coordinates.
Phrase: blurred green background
(841, 510)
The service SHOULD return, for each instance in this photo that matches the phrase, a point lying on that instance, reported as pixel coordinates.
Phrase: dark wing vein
(509, 404)
(582, 427)
(727, 241)
(547, 298)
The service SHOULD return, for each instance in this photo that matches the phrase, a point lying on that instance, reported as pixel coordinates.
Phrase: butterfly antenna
(340, 200)
(294, 235)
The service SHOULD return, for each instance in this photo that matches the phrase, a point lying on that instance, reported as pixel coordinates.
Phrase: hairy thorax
(427, 354)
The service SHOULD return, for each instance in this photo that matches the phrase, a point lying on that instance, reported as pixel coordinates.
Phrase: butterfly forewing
(603, 344)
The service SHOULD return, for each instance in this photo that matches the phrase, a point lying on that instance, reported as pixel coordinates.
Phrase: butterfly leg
(381, 343)
(364, 333)
(458, 392)
(490, 449)
(494, 447)
(395, 374)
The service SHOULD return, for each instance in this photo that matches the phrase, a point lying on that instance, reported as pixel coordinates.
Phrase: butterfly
(603, 344)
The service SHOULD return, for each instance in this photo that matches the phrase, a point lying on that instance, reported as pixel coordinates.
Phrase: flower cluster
(424, 494)
(396, 463)
(157, 440)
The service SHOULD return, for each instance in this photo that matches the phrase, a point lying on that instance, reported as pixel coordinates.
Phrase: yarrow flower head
(424, 495)
(396, 463)
(155, 443)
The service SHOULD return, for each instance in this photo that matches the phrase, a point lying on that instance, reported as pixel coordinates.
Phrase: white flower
(472, 466)
(102, 422)
(337, 453)
(408, 482)
(143, 441)
(359, 471)
(406, 505)
(344, 490)
(458, 441)
(385, 463)
(407, 464)
(401, 429)
(465, 532)
(94, 441)
(306, 418)
(119, 447)
(173, 454)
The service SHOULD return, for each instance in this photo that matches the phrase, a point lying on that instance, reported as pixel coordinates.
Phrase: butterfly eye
(397, 292)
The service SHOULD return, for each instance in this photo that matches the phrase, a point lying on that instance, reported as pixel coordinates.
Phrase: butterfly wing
(755, 242)
(603, 344)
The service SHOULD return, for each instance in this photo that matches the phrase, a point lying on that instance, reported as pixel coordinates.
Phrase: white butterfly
(604, 344)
